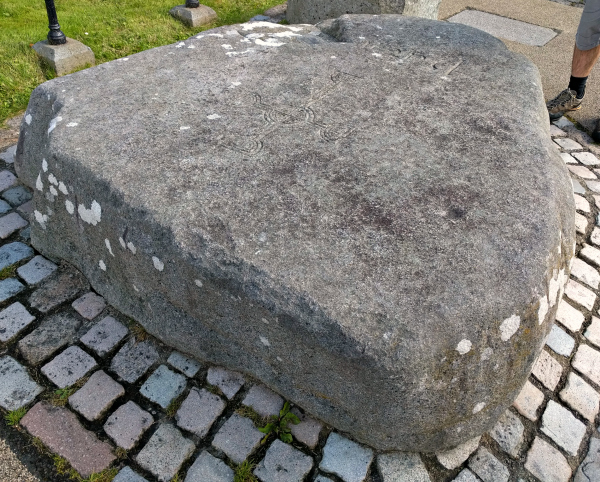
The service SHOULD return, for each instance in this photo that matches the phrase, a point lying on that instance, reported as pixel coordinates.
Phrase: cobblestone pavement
(102, 397)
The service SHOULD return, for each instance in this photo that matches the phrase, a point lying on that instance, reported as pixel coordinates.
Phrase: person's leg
(584, 61)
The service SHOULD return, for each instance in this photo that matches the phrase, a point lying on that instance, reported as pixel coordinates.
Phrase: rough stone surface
(69, 367)
(560, 342)
(127, 424)
(466, 475)
(9, 288)
(37, 269)
(402, 467)
(184, 364)
(89, 305)
(225, 380)
(488, 467)
(207, 468)
(163, 386)
(581, 204)
(587, 361)
(17, 389)
(67, 57)
(569, 316)
(194, 17)
(345, 458)
(581, 397)
(133, 360)
(307, 431)
(592, 333)
(61, 432)
(4, 207)
(287, 195)
(13, 253)
(508, 432)
(128, 475)
(590, 254)
(586, 158)
(54, 332)
(314, 11)
(589, 470)
(13, 320)
(454, 457)
(96, 396)
(568, 144)
(199, 411)
(562, 427)
(7, 179)
(547, 463)
(547, 370)
(165, 452)
(586, 273)
(265, 402)
(104, 335)
(11, 223)
(582, 172)
(8, 155)
(283, 463)
(17, 195)
(580, 294)
(61, 286)
(237, 438)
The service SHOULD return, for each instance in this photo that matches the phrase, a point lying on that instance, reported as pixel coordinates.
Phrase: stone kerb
(326, 209)
(314, 11)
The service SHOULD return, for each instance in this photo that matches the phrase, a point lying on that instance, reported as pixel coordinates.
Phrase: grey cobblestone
(569, 316)
(17, 195)
(128, 475)
(60, 286)
(581, 223)
(69, 367)
(568, 144)
(7, 179)
(14, 319)
(487, 467)
(586, 273)
(581, 397)
(589, 470)
(345, 458)
(9, 288)
(4, 206)
(36, 270)
(508, 432)
(547, 370)
(127, 425)
(591, 254)
(184, 364)
(8, 155)
(466, 475)
(547, 463)
(402, 467)
(582, 172)
(207, 468)
(307, 431)
(199, 411)
(283, 463)
(455, 457)
(587, 362)
(133, 360)
(237, 438)
(10, 224)
(562, 427)
(26, 209)
(227, 381)
(163, 386)
(586, 158)
(12, 253)
(104, 336)
(89, 305)
(593, 331)
(580, 294)
(265, 402)
(581, 204)
(17, 389)
(96, 396)
(560, 342)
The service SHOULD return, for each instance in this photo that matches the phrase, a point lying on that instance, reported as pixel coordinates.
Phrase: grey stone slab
(505, 28)
(163, 386)
(320, 218)
(322, 478)
(587, 362)
(17, 389)
(14, 319)
(560, 342)
(227, 381)
(547, 463)
(185, 365)
(36, 270)
(96, 396)
(8, 155)
(10, 224)
(487, 467)
(7, 179)
(26, 209)
(105, 335)
(54, 332)
(128, 475)
(465, 475)
(345, 458)
(283, 463)
(237, 438)
(307, 431)
(127, 424)
(62, 285)
(455, 457)
(589, 470)
(89, 305)
(9, 287)
(165, 452)
(26, 234)
(69, 367)
(265, 402)
(508, 432)
(4, 207)
(402, 467)
(577, 187)
(194, 17)
(17, 195)
(199, 411)
(207, 468)
(563, 427)
(65, 58)
(133, 360)
(580, 396)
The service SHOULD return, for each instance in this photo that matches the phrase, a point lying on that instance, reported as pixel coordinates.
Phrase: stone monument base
(193, 17)
(65, 58)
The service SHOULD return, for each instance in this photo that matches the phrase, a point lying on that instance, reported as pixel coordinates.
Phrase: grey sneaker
(564, 102)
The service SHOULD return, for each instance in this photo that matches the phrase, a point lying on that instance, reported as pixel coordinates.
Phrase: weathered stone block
(313, 213)
(67, 57)
(194, 17)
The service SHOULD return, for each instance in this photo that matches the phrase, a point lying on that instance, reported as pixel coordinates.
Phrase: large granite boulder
(313, 11)
(369, 217)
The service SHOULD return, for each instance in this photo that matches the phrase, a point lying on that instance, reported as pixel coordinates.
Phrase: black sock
(578, 85)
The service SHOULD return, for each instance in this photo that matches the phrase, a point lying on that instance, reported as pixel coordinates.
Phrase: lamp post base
(67, 57)
(194, 17)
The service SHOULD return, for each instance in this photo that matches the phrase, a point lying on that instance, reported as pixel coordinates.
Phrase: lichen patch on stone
(509, 327)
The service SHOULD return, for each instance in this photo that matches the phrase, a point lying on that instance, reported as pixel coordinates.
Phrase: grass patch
(111, 28)
(249, 412)
(138, 331)
(174, 406)
(14, 416)
(243, 472)
(60, 397)
(9, 271)
(61, 465)
(121, 453)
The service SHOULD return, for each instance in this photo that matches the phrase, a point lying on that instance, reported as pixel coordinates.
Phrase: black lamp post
(192, 3)
(55, 35)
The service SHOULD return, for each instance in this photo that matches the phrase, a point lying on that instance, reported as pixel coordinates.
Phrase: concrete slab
(65, 58)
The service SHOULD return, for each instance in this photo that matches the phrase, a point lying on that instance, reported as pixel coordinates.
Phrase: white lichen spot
(218, 35)
(553, 288)
(44, 165)
(184, 128)
(53, 123)
(198, 283)
(253, 25)
(509, 327)
(486, 354)
(265, 321)
(179, 45)
(236, 84)
(53, 191)
(135, 288)
(479, 407)
(333, 57)
(62, 188)
(262, 237)
(131, 247)
(213, 116)
(69, 206)
(158, 264)
(72, 124)
(264, 341)
(287, 34)
(40, 218)
(376, 54)
(52, 179)
(200, 37)
(108, 246)
(191, 46)
(39, 185)
(233, 53)
(227, 47)
(279, 359)
(122, 243)
(102, 265)
(49, 196)
(387, 336)
(464, 347)
(543, 309)
(245, 40)
(270, 42)
(28, 119)
(91, 216)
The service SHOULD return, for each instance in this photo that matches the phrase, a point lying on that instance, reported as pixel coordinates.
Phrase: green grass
(111, 28)
(243, 472)
(14, 416)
